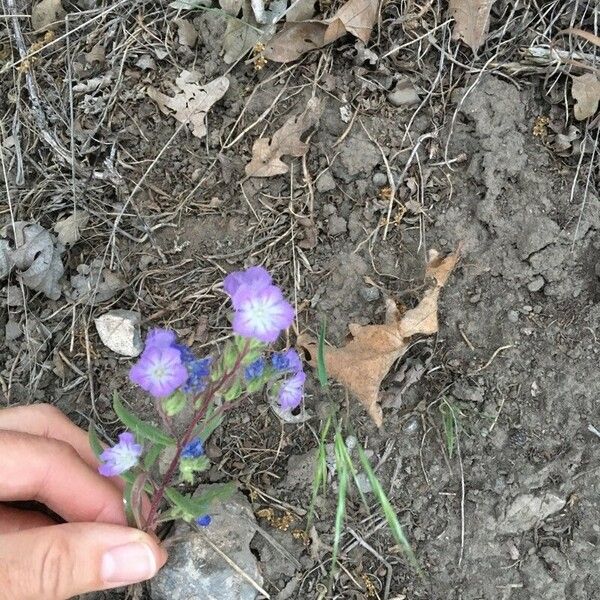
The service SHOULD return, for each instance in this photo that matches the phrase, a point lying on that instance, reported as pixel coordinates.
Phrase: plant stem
(208, 395)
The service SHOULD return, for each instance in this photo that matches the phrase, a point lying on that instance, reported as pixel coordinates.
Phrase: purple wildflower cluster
(171, 373)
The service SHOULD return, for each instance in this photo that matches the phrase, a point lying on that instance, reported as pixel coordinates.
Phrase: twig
(489, 362)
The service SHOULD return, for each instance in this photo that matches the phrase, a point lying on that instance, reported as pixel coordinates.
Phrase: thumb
(62, 561)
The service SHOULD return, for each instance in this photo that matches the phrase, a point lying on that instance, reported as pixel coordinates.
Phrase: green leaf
(174, 404)
(95, 443)
(139, 427)
(209, 426)
(321, 370)
(127, 492)
(255, 384)
(229, 357)
(388, 510)
(188, 508)
(151, 456)
(234, 391)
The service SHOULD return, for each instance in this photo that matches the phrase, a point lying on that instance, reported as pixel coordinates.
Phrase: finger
(15, 519)
(47, 421)
(58, 562)
(52, 472)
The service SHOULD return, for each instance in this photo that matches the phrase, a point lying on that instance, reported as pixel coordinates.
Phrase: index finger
(47, 421)
(52, 472)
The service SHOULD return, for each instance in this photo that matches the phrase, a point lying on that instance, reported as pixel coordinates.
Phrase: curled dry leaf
(31, 250)
(471, 20)
(192, 101)
(266, 153)
(69, 230)
(356, 17)
(586, 92)
(362, 363)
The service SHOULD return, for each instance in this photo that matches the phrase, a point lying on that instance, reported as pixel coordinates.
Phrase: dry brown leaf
(300, 10)
(47, 15)
(472, 20)
(356, 17)
(586, 92)
(362, 363)
(192, 101)
(266, 153)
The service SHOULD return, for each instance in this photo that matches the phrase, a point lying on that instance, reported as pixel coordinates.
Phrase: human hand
(46, 458)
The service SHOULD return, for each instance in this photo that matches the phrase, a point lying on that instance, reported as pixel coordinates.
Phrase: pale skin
(46, 458)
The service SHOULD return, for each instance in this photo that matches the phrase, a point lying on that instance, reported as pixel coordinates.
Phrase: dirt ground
(488, 155)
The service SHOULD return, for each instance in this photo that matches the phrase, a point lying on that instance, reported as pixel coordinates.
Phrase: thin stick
(489, 362)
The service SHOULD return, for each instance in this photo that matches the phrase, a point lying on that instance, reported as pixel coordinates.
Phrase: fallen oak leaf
(471, 21)
(362, 364)
(356, 17)
(68, 230)
(193, 101)
(266, 153)
(586, 92)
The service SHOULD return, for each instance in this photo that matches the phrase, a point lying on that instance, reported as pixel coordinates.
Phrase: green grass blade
(340, 513)
(352, 469)
(321, 370)
(320, 474)
(388, 510)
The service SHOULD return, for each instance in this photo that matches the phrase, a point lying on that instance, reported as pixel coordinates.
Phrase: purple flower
(193, 449)
(121, 457)
(287, 361)
(159, 371)
(254, 277)
(255, 369)
(261, 313)
(159, 338)
(198, 370)
(204, 520)
(291, 391)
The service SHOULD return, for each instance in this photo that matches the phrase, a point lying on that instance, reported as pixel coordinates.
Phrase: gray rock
(358, 157)
(325, 183)
(363, 484)
(336, 225)
(536, 284)
(513, 316)
(195, 570)
(119, 330)
(380, 179)
(403, 95)
(526, 510)
(369, 293)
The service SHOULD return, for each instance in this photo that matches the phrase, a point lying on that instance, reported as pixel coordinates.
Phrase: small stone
(527, 510)
(536, 284)
(336, 225)
(195, 570)
(513, 316)
(12, 330)
(380, 179)
(14, 296)
(325, 183)
(370, 294)
(475, 298)
(363, 483)
(404, 94)
(119, 330)
(411, 426)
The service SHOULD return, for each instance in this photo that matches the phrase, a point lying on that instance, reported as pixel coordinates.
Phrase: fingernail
(128, 564)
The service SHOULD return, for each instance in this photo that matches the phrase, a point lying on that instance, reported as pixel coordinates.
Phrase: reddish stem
(209, 395)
